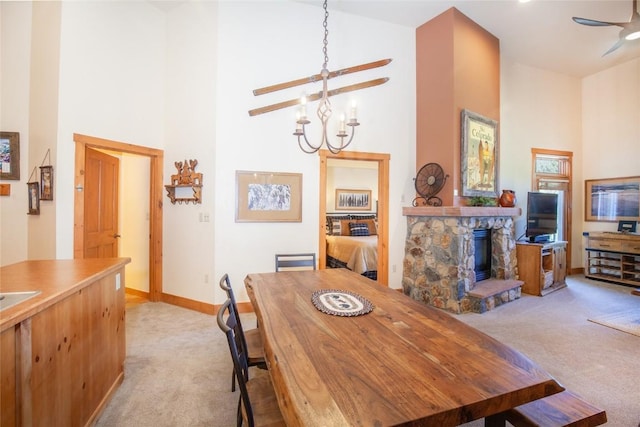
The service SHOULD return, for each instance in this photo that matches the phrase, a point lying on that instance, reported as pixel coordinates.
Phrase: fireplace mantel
(461, 211)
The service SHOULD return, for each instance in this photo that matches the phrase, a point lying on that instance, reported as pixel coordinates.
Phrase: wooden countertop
(56, 279)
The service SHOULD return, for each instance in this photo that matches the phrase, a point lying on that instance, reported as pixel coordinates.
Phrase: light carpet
(177, 371)
(626, 321)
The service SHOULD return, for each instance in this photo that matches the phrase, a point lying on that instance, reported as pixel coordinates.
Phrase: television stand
(614, 257)
(542, 266)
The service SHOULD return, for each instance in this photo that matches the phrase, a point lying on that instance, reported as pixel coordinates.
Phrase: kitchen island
(63, 348)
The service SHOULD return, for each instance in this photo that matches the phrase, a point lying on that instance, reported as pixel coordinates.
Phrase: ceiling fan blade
(594, 23)
(614, 47)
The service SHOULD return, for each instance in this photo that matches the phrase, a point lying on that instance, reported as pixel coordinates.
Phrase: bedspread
(359, 253)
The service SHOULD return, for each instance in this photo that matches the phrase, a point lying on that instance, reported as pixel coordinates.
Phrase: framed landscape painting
(268, 197)
(353, 200)
(612, 199)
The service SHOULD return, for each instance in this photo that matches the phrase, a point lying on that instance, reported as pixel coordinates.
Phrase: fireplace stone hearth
(439, 262)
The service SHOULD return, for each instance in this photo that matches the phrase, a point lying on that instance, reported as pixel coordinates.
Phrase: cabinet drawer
(606, 245)
(631, 247)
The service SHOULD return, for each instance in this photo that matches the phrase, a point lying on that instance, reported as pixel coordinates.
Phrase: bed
(352, 242)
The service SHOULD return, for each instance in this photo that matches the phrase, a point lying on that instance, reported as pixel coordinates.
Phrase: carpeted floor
(177, 370)
(626, 321)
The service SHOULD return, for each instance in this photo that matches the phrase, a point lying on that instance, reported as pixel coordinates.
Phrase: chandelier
(324, 110)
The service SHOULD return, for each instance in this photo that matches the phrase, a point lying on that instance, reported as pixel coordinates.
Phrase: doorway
(383, 206)
(83, 142)
(552, 172)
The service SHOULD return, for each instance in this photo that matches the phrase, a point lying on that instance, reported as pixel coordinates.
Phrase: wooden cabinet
(542, 266)
(63, 350)
(614, 257)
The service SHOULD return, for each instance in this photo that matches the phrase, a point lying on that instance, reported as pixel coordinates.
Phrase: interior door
(100, 205)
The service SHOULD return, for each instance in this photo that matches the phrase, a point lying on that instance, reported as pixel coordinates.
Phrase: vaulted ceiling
(539, 33)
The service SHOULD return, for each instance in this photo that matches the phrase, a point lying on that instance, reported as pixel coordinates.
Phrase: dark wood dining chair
(301, 261)
(250, 340)
(258, 405)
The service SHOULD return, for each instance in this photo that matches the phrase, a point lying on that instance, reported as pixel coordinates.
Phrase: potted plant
(482, 201)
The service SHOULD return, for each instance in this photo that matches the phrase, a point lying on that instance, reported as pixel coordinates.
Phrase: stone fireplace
(439, 263)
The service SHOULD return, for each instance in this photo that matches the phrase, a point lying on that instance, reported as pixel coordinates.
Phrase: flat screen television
(542, 216)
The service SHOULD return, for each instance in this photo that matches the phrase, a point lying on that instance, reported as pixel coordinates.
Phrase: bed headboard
(334, 221)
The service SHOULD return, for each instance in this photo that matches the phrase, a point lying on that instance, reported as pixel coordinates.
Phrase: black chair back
(232, 329)
(301, 261)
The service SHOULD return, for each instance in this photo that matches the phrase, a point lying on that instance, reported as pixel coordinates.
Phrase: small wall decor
(46, 178)
(186, 185)
(10, 155)
(34, 198)
(612, 199)
(353, 200)
(479, 162)
(46, 182)
(268, 197)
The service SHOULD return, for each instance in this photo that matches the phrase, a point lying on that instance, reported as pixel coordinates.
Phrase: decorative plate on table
(340, 303)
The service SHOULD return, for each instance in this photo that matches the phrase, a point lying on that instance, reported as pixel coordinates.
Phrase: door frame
(383, 206)
(564, 176)
(156, 157)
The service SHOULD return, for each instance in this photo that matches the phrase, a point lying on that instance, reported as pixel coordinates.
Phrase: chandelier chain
(324, 109)
(326, 36)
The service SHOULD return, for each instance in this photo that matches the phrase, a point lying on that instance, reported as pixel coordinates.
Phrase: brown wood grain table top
(404, 363)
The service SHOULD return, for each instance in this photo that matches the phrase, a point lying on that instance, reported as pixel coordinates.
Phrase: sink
(9, 299)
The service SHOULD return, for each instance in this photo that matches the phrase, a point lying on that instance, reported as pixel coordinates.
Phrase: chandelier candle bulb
(353, 110)
(303, 107)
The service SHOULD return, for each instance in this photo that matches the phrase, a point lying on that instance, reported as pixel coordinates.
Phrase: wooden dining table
(402, 363)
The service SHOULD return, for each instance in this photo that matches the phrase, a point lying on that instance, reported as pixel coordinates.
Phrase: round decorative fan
(428, 182)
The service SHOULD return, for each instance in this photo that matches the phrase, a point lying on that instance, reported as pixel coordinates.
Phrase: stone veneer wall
(438, 267)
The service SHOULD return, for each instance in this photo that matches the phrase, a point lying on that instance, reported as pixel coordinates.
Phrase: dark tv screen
(542, 214)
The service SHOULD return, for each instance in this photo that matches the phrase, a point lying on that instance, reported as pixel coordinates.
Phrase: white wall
(263, 43)
(610, 129)
(190, 125)
(112, 86)
(15, 59)
(134, 223)
(539, 109)
(351, 175)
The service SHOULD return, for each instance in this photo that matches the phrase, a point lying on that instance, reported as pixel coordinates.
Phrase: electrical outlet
(206, 278)
(117, 281)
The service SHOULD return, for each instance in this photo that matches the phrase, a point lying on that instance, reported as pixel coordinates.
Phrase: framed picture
(612, 199)
(479, 155)
(10, 155)
(46, 182)
(353, 200)
(34, 198)
(268, 197)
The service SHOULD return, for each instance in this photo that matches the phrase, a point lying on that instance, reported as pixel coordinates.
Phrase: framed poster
(612, 199)
(353, 200)
(34, 198)
(268, 197)
(479, 155)
(10, 155)
(46, 182)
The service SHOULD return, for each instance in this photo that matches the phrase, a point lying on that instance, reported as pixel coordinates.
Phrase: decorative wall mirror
(186, 185)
